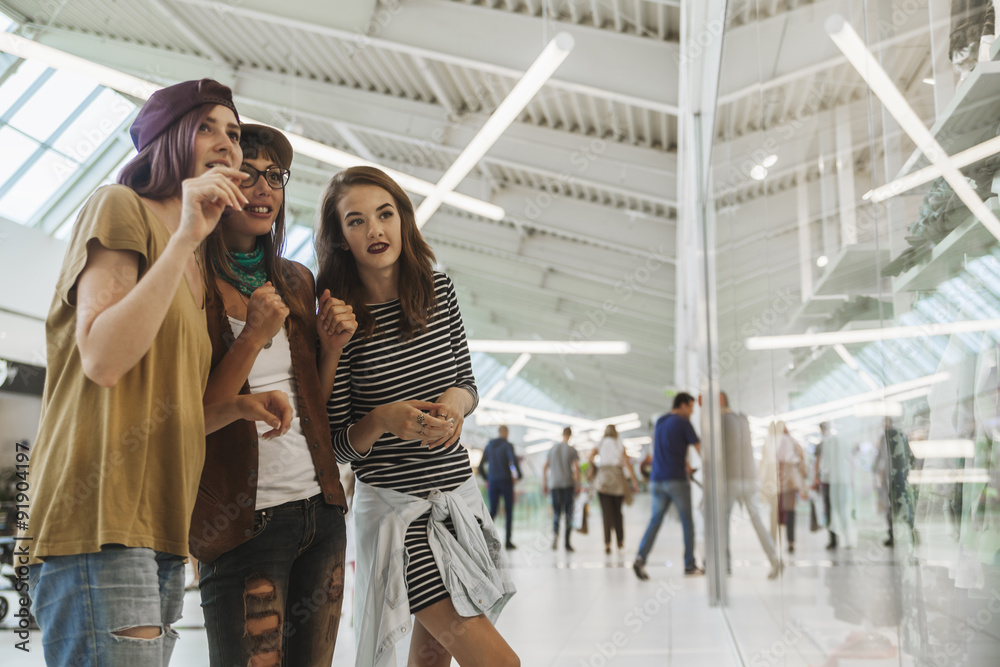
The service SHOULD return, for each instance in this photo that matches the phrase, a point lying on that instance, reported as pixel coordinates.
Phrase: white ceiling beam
(415, 28)
(523, 92)
(352, 140)
(548, 266)
(766, 37)
(500, 286)
(440, 95)
(178, 20)
(647, 172)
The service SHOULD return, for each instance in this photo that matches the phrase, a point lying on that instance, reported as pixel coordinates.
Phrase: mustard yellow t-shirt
(119, 465)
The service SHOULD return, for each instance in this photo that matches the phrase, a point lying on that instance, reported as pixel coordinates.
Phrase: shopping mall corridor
(851, 607)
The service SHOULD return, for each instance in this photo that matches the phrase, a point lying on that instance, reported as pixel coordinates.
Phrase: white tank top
(285, 470)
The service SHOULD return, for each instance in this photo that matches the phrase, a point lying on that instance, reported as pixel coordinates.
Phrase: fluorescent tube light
(852, 363)
(343, 159)
(943, 449)
(637, 441)
(142, 89)
(927, 174)
(847, 357)
(868, 335)
(511, 373)
(534, 78)
(516, 367)
(878, 409)
(847, 40)
(620, 419)
(971, 476)
(550, 346)
(21, 47)
(892, 391)
(537, 413)
(627, 426)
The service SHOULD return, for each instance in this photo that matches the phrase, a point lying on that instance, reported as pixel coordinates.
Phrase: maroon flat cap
(168, 105)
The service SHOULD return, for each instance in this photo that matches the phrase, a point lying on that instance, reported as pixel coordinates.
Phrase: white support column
(845, 178)
(805, 236)
(697, 309)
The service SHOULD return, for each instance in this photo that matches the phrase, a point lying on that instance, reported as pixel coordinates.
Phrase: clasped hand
(415, 420)
(335, 322)
(266, 313)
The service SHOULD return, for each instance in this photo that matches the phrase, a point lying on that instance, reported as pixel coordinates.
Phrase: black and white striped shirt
(383, 370)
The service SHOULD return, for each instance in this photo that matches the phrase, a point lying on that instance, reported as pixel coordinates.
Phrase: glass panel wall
(858, 275)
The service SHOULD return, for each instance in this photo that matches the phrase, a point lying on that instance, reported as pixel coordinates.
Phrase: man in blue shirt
(498, 459)
(672, 436)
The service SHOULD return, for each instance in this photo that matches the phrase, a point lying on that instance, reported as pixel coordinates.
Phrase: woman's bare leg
(440, 633)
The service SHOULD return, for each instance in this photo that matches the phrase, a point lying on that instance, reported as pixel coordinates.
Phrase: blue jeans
(562, 503)
(281, 591)
(82, 601)
(679, 492)
(505, 490)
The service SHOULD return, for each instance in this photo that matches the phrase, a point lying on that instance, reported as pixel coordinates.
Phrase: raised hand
(266, 313)
(205, 197)
(335, 322)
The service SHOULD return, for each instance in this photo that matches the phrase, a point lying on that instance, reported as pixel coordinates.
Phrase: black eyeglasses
(274, 176)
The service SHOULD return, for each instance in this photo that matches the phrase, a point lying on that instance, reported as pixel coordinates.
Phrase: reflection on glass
(889, 391)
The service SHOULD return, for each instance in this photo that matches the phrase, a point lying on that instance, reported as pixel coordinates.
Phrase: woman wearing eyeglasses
(268, 527)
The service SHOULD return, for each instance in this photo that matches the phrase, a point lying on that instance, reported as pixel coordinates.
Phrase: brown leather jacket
(224, 512)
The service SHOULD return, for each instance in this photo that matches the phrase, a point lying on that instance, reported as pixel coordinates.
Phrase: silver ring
(421, 431)
(451, 420)
(421, 419)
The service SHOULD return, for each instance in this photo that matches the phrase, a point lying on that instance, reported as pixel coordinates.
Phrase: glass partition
(858, 279)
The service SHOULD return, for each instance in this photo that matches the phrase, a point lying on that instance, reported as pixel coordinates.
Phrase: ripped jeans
(276, 599)
(82, 602)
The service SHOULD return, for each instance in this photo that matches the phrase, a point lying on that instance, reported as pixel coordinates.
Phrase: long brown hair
(157, 171)
(273, 243)
(338, 270)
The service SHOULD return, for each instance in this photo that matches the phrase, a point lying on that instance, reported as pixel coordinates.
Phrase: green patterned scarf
(247, 268)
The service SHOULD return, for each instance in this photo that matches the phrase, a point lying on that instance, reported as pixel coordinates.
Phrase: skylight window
(54, 127)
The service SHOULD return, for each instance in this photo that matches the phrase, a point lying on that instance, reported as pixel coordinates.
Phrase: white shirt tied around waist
(473, 566)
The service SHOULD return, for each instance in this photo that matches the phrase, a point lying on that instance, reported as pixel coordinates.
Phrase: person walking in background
(821, 479)
(563, 464)
(767, 476)
(670, 480)
(498, 458)
(741, 480)
(892, 467)
(612, 485)
(834, 472)
(791, 481)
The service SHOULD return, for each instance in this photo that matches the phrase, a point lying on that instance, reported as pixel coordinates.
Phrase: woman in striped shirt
(403, 387)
